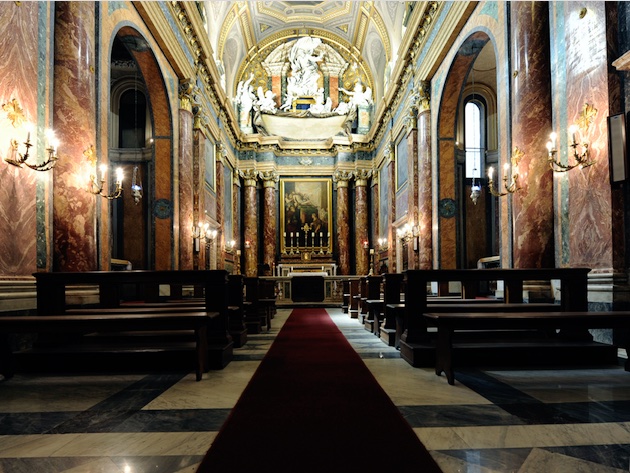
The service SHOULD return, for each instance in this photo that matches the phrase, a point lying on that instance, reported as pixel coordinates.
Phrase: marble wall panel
(589, 211)
(343, 228)
(250, 230)
(18, 218)
(270, 230)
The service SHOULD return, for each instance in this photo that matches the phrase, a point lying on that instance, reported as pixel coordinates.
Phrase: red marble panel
(361, 230)
(447, 226)
(74, 111)
(531, 125)
(412, 162)
(276, 88)
(391, 199)
(18, 46)
(590, 205)
(343, 230)
(333, 86)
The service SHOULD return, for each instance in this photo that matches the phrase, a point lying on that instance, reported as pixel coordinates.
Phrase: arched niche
(141, 232)
(467, 231)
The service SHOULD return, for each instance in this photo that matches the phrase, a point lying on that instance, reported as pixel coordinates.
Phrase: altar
(306, 269)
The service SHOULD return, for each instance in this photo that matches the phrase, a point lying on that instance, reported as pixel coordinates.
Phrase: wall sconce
(211, 235)
(248, 244)
(366, 244)
(99, 187)
(229, 245)
(16, 115)
(136, 186)
(382, 243)
(513, 186)
(407, 232)
(581, 159)
(198, 233)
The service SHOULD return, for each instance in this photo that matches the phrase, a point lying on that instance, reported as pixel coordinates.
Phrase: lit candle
(573, 130)
(549, 146)
(328, 234)
(321, 234)
(29, 128)
(371, 251)
(552, 139)
(291, 234)
(313, 235)
(238, 252)
(119, 176)
(284, 234)
(506, 167)
(490, 172)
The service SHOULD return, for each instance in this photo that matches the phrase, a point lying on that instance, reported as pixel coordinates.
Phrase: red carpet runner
(313, 406)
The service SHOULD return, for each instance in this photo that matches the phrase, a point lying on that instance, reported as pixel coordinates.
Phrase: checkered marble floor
(573, 420)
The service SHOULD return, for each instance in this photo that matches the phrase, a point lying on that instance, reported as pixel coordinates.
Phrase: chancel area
(314, 235)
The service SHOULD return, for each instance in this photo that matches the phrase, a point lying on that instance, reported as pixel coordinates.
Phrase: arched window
(132, 119)
(474, 137)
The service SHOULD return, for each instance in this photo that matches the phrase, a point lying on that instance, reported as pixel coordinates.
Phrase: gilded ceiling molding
(230, 19)
(314, 18)
(377, 19)
(245, 21)
(361, 30)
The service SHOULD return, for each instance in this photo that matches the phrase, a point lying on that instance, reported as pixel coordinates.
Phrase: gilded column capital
(249, 177)
(185, 94)
(341, 178)
(269, 178)
(221, 152)
(361, 177)
(419, 101)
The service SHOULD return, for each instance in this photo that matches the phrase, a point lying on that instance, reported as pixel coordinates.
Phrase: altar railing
(333, 289)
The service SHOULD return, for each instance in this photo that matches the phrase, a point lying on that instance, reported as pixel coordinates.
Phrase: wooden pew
(448, 323)
(374, 303)
(354, 298)
(237, 327)
(414, 336)
(52, 287)
(260, 303)
(196, 322)
(393, 307)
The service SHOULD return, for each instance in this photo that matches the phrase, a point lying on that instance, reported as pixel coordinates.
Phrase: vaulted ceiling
(370, 31)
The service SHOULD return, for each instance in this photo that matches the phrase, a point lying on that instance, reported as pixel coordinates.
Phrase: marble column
(361, 237)
(188, 219)
(74, 118)
(250, 230)
(341, 178)
(531, 125)
(270, 233)
(425, 204)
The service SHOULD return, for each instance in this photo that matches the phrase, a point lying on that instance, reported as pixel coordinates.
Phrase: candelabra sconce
(581, 158)
(248, 244)
(366, 244)
(372, 256)
(475, 191)
(16, 158)
(99, 186)
(382, 244)
(199, 233)
(513, 186)
(136, 186)
(407, 232)
(229, 246)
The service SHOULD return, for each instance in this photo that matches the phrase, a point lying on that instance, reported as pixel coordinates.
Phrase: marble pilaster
(74, 112)
(361, 236)
(531, 125)
(412, 195)
(250, 221)
(188, 218)
(425, 205)
(342, 178)
(270, 234)
(220, 189)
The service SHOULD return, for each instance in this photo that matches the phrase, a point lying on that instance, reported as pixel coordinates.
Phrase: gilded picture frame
(306, 213)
